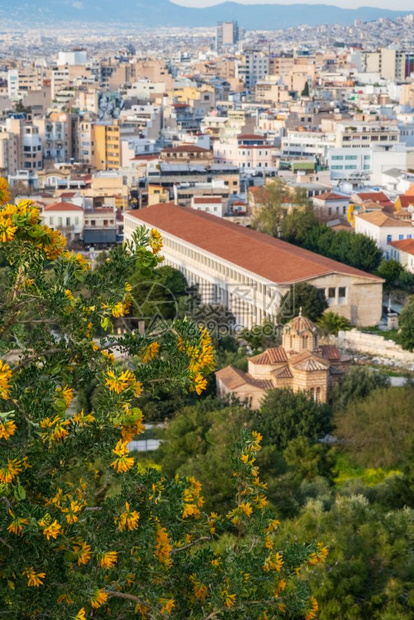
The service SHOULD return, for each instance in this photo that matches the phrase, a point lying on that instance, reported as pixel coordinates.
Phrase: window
(342, 291)
(68, 221)
(331, 293)
(400, 237)
(389, 238)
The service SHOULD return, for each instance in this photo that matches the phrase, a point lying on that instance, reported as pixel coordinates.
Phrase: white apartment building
(32, 148)
(383, 229)
(315, 143)
(252, 67)
(65, 217)
(76, 56)
(13, 83)
(208, 204)
(248, 272)
(346, 163)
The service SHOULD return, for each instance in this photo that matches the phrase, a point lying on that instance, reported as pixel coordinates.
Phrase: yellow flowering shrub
(85, 530)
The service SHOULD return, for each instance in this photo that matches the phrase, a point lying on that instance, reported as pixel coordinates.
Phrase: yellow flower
(4, 191)
(163, 546)
(132, 423)
(15, 526)
(190, 510)
(65, 598)
(119, 384)
(313, 610)
(123, 462)
(155, 241)
(151, 352)
(81, 615)
(50, 530)
(67, 394)
(121, 309)
(77, 259)
(167, 605)
(280, 586)
(246, 508)
(54, 243)
(55, 429)
(7, 429)
(128, 519)
(215, 563)
(137, 389)
(274, 561)
(108, 559)
(109, 356)
(8, 473)
(81, 552)
(319, 556)
(200, 383)
(272, 525)
(69, 295)
(5, 378)
(99, 598)
(33, 579)
(260, 501)
(83, 419)
(71, 513)
(7, 229)
(229, 599)
(199, 589)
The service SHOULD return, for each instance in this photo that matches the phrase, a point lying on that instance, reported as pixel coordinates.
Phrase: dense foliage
(302, 297)
(406, 335)
(85, 530)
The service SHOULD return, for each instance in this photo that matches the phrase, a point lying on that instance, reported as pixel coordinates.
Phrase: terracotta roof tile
(405, 245)
(272, 259)
(270, 356)
(329, 352)
(379, 218)
(63, 206)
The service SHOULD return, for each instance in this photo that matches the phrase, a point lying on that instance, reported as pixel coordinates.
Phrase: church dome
(301, 324)
(300, 334)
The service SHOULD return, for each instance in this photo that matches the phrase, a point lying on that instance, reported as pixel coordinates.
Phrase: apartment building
(252, 67)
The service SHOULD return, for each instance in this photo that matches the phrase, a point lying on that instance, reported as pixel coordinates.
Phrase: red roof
(250, 136)
(206, 200)
(405, 245)
(186, 148)
(269, 258)
(67, 194)
(328, 196)
(374, 196)
(406, 201)
(63, 206)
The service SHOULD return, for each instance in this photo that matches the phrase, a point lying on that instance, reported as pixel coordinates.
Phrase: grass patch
(345, 471)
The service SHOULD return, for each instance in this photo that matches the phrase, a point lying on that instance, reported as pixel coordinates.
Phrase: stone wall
(371, 344)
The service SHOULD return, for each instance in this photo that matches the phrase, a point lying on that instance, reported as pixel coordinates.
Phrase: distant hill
(163, 13)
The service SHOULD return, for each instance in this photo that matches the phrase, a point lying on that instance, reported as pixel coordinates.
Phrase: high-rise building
(227, 34)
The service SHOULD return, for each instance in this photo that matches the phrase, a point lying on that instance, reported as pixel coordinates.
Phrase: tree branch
(129, 597)
(191, 544)
(6, 544)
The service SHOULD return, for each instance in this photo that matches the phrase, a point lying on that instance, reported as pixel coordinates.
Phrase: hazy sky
(402, 5)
